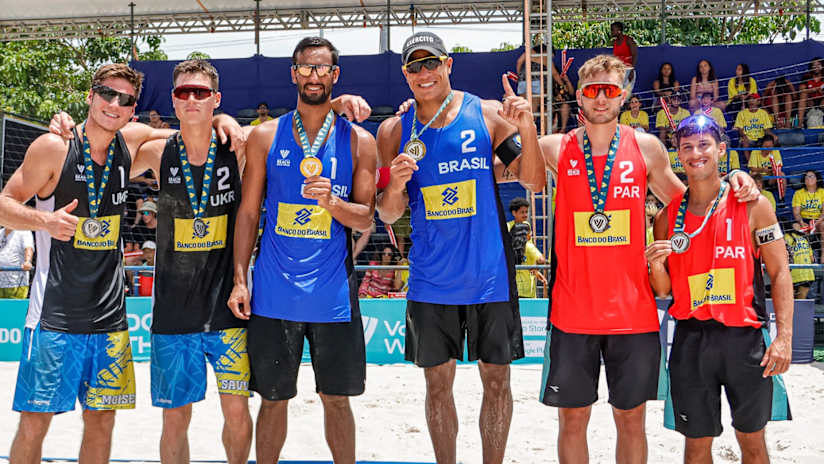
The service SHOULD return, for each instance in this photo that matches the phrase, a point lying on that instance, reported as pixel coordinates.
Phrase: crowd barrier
(384, 327)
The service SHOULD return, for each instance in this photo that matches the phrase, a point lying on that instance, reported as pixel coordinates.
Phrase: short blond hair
(197, 67)
(599, 64)
(121, 71)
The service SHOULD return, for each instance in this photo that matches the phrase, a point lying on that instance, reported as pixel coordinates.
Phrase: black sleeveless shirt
(79, 285)
(194, 262)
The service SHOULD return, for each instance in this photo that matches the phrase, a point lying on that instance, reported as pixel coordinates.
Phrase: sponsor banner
(384, 328)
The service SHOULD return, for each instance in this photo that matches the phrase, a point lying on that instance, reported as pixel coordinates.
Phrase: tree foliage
(703, 31)
(38, 78)
(198, 55)
(504, 47)
(458, 48)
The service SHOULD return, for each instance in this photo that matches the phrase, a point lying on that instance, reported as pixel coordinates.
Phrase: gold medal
(415, 149)
(311, 166)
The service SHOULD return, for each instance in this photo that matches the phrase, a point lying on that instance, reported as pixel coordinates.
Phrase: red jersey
(622, 51)
(815, 84)
(715, 278)
(600, 283)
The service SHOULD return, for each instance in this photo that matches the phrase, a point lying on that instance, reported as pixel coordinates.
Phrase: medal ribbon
(682, 210)
(304, 139)
(599, 195)
(96, 195)
(414, 135)
(197, 206)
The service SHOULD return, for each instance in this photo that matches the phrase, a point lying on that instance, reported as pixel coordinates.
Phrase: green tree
(38, 78)
(704, 31)
(504, 47)
(458, 48)
(198, 55)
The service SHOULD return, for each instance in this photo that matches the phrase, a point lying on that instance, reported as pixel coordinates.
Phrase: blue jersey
(458, 254)
(302, 271)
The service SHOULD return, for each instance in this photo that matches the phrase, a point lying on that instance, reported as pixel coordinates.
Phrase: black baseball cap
(423, 41)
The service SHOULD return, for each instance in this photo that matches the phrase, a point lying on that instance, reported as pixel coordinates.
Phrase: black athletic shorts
(572, 365)
(275, 349)
(707, 355)
(435, 333)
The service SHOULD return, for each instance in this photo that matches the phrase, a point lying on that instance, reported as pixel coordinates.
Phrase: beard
(601, 118)
(315, 99)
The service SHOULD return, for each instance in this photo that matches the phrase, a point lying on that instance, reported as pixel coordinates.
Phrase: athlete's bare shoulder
(551, 149)
(651, 146)
(261, 137)
(48, 151)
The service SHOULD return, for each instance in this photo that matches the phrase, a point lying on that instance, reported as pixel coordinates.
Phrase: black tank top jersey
(81, 290)
(191, 287)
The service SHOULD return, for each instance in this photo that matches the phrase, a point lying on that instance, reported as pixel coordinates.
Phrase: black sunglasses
(429, 62)
(107, 93)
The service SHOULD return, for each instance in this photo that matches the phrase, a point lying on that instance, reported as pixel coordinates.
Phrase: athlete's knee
(34, 425)
(495, 378)
(574, 420)
(273, 406)
(753, 445)
(98, 420)
(630, 419)
(177, 418)
(439, 379)
(235, 409)
(335, 403)
(697, 450)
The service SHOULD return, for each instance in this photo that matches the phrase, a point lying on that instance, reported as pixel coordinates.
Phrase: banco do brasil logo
(303, 216)
(450, 196)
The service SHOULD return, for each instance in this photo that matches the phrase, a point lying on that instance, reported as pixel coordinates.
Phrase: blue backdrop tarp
(247, 81)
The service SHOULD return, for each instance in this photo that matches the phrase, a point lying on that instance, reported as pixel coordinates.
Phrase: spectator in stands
(711, 111)
(740, 87)
(808, 204)
(729, 160)
(635, 117)
(815, 117)
(666, 84)
(703, 82)
(146, 230)
(263, 114)
(800, 252)
(779, 96)
(662, 122)
(155, 121)
(149, 247)
(651, 208)
(563, 98)
(538, 63)
(761, 160)
(378, 283)
(16, 250)
(519, 207)
(753, 124)
(623, 46)
(759, 181)
(811, 88)
(526, 253)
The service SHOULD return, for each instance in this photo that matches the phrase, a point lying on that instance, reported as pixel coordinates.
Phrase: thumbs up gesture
(515, 110)
(62, 224)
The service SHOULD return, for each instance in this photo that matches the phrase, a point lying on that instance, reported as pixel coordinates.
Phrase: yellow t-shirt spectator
(761, 159)
(259, 121)
(677, 167)
(753, 123)
(641, 121)
(770, 197)
(800, 253)
(733, 90)
(716, 114)
(525, 279)
(678, 116)
(810, 203)
(732, 156)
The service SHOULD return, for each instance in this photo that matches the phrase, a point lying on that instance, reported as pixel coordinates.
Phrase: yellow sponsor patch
(201, 235)
(114, 383)
(714, 287)
(303, 221)
(232, 367)
(449, 201)
(102, 233)
(617, 232)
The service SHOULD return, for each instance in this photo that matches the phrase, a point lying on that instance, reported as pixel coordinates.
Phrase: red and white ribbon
(779, 173)
(667, 112)
(565, 64)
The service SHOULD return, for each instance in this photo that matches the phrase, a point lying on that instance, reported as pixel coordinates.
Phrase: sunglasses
(698, 124)
(429, 62)
(305, 70)
(592, 89)
(200, 92)
(108, 94)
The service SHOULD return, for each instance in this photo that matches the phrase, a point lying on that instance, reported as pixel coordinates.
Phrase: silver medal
(680, 242)
(92, 228)
(415, 149)
(598, 222)
(200, 229)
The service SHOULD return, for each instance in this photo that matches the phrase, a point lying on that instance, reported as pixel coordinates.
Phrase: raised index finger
(508, 92)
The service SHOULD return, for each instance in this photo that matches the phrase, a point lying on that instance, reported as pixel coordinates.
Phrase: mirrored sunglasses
(200, 92)
(305, 70)
(592, 89)
(429, 62)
